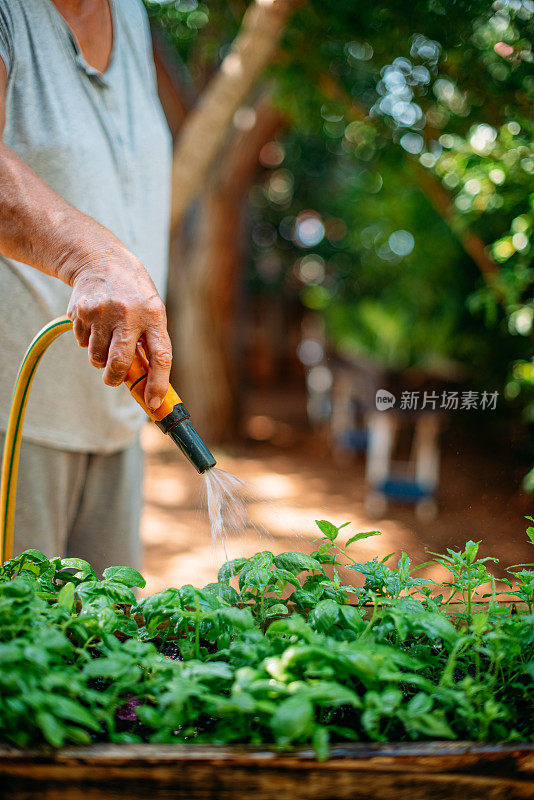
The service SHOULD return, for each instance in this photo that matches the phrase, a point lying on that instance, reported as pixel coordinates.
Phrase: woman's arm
(114, 303)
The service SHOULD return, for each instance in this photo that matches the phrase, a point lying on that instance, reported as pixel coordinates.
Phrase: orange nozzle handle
(136, 379)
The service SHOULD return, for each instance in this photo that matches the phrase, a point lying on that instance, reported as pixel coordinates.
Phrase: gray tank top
(102, 143)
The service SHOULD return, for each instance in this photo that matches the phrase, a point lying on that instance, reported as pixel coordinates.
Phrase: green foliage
(376, 95)
(392, 93)
(288, 654)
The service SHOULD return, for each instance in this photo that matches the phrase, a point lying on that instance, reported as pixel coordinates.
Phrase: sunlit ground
(292, 487)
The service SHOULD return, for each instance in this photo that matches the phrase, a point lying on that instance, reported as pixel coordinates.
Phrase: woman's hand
(114, 305)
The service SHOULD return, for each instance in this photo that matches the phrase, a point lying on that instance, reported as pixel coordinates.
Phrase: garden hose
(171, 417)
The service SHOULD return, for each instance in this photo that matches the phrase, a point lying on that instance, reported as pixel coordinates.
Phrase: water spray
(171, 417)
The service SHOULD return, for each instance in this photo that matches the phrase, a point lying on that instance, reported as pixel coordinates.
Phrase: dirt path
(295, 485)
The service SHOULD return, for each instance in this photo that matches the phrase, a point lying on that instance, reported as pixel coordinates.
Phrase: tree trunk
(202, 332)
(205, 254)
(206, 262)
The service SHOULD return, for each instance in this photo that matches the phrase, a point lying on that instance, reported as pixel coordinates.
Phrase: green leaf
(277, 610)
(433, 726)
(262, 559)
(125, 575)
(239, 618)
(296, 562)
(82, 568)
(254, 577)
(292, 719)
(435, 626)
(100, 609)
(471, 550)
(362, 663)
(292, 625)
(231, 568)
(65, 598)
(222, 590)
(359, 536)
(283, 577)
(34, 556)
(328, 529)
(323, 553)
(479, 623)
(324, 615)
(52, 730)
(309, 595)
(421, 703)
(149, 716)
(69, 709)
(164, 602)
(352, 617)
(329, 693)
(77, 735)
(118, 592)
(104, 668)
(215, 670)
(188, 596)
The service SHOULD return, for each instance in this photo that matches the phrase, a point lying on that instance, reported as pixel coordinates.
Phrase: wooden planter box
(431, 771)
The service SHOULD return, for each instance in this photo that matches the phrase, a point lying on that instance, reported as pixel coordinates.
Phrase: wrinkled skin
(114, 302)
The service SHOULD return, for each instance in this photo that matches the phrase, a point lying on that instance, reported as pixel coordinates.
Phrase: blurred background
(351, 293)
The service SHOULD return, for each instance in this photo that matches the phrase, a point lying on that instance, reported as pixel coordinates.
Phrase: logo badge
(384, 400)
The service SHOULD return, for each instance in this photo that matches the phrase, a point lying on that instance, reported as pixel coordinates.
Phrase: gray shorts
(86, 505)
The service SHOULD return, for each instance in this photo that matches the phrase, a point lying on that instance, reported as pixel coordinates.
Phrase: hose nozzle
(172, 417)
(178, 426)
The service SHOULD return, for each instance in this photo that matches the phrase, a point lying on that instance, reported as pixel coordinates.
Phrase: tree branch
(204, 131)
(176, 89)
(430, 186)
(471, 242)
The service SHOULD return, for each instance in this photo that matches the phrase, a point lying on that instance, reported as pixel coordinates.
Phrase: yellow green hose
(10, 460)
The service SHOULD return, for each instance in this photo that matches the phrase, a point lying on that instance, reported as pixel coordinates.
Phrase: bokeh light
(311, 269)
(319, 379)
(309, 229)
(401, 243)
(271, 155)
(310, 352)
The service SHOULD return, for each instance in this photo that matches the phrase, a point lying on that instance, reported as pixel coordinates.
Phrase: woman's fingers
(99, 341)
(82, 332)
(157, 346)
(120, 355)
